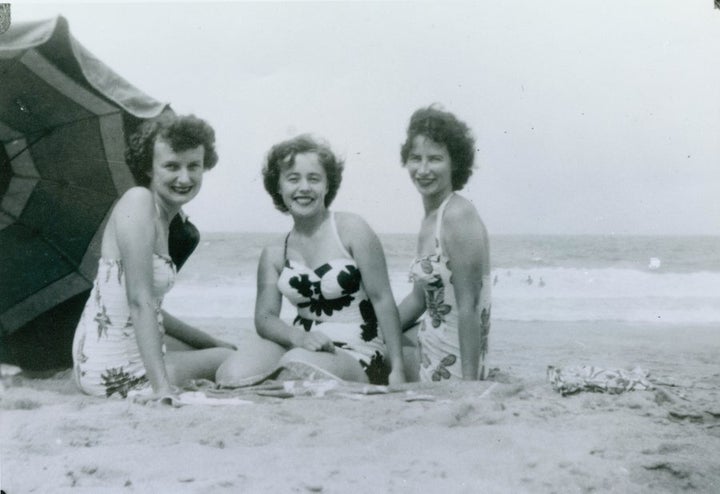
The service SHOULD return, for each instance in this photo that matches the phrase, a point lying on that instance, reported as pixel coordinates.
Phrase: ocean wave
(608, 282)
(565, 294)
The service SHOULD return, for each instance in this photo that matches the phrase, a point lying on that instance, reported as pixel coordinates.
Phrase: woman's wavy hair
(181, 132)
(444, 128)
(282, 156)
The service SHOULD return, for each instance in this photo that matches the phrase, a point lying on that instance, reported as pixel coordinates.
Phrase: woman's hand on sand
(168, 397)
(315, 341)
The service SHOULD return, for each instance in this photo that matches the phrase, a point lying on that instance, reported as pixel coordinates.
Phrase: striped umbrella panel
(62, 170)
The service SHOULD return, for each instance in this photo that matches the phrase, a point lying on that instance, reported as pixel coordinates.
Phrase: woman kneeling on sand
(451, 272)
(120, 341)
(331, 266)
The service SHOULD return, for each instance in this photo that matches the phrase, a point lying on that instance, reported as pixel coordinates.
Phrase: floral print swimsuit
(106, 357)
(438, 335)
(331, 299)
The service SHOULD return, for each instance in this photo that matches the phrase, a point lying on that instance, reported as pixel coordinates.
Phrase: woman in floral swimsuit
(451, 273)
(120, 342)
(331, 267)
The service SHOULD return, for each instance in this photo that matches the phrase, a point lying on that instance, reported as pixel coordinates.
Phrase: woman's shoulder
(136, 193)
(460, 209)
(136, 203)
(462, 217)
(131, 220)
(355, 233)
(273, 255)
(136, 197)
(349, 221)
(352, 225)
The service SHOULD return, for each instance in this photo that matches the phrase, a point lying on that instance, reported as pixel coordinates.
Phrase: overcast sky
(599, 117)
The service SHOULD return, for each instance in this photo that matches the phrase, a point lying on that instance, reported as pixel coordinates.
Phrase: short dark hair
(283, 154)
(444, 128)
(181, 132)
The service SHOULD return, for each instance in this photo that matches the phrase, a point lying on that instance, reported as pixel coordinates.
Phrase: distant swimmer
(529, 280)
(541, 283)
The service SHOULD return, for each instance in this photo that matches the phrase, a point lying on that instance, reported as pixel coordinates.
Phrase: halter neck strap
(438, 224)
(336, 236)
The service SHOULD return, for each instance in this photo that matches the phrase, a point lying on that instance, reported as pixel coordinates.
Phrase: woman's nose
(422, 166)
(183, 175)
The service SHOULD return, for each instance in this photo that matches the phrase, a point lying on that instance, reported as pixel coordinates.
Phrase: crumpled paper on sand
(570, 380)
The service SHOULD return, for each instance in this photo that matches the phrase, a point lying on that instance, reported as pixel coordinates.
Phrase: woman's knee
(251, 362)
(297, 355)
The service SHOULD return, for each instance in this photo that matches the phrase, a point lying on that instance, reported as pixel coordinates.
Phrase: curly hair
(181, 132)
(444, 128)
(282, 155)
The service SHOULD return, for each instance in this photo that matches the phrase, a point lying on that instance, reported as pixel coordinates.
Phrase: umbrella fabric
(45, 343)
(64, 116)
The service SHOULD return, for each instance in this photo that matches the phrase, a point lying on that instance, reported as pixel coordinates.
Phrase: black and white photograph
(360, 246)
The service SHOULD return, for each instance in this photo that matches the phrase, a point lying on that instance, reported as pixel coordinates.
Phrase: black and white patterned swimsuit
(331, 298)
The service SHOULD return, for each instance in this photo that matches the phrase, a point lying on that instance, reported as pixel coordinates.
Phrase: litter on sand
(571, 380)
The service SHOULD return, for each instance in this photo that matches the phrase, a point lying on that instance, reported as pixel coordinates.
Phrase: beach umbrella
(64, 116)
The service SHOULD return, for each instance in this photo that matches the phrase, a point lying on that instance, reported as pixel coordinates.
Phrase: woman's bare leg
(184, 366)
(255, 359)
(172, 344)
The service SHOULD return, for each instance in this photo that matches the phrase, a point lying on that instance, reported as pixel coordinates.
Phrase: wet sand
(511, 434)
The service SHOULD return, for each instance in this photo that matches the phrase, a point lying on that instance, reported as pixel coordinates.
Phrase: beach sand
(511, 434)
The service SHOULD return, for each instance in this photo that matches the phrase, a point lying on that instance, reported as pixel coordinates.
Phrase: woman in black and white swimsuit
(331, 266)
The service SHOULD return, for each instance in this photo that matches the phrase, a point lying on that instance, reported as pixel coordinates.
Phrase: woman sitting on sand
(451, 272)
(120, 341)
(330, 266)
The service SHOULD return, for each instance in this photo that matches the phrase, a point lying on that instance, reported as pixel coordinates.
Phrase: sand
(512, 434)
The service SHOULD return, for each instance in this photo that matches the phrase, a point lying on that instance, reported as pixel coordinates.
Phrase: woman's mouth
(182, 190)
(424, 182)
(303, 200)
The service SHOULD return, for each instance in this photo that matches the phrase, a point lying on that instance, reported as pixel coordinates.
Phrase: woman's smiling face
(430, 167)
(303, 185)
(176, 176)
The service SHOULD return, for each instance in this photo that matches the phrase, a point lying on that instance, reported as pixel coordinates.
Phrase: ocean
(638, 279)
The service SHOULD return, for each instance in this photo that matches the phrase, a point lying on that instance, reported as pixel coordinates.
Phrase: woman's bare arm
(465, 243)
(412, 307)
(370, 258)
(134, 223)
(191, 335)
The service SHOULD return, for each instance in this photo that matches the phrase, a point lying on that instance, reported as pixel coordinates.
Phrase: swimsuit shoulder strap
(438, 224)
(285, 249)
